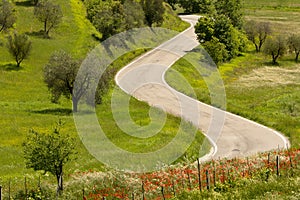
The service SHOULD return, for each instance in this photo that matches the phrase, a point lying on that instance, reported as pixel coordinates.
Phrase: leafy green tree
(216, 50)
(205, 29)
(154, 11)
(257, 33)
(49, 14)
(294, 45)
(197, 6)
(107, 17)
(220, 28)
(49, 152)
(134, 14)
(276, 47)
(19, 46)
(231, 9)
(60, 74)
(7, 15)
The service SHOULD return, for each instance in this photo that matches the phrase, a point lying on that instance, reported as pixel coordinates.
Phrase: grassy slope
(251, 90)
(25, 100)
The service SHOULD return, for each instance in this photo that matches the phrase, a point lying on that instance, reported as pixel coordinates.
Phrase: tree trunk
(75, 104)
(59, 178)
(297, 56)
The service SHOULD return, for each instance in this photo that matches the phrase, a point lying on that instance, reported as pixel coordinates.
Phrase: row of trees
(19, 45)
(114, 16)
(260, 34)
(45, 11)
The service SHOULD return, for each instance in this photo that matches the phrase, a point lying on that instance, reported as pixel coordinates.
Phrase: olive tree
(49, 152)
(257, 33)
(294, 45)
(49, 14)
(19, 46)
(60, 74)
(7, 15)
(275, 46)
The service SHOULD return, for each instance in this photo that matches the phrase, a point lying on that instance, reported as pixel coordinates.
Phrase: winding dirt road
(229, 134)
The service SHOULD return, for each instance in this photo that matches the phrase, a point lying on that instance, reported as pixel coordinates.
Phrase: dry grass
(270, 76)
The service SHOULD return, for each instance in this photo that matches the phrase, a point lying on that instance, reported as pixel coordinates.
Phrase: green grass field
(25, 100)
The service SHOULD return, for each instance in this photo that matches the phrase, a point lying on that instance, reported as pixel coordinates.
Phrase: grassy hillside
(255, 88)
(25, 100)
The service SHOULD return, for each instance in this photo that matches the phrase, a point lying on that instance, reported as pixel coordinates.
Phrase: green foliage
(49, 14)
(294, 45)
(216, 50)
(257, 33)
(19, 46)
(231, 9)
(134, 14)
(107, 17)
(197, 6)
(7, 15)
(218, 32)
(276, 47)
(49, 152)
(154, 11)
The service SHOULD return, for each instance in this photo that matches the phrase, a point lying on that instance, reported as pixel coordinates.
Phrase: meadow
(256, 89)
(25, 101)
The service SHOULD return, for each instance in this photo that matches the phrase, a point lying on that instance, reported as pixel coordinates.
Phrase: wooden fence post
(143, 190)
(277, 165)
(163, 193)
(207, 180)
(199, 175)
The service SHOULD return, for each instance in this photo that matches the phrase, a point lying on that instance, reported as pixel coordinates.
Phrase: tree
(49, 14)
(257, 33)
(19, 46)
(7, 15)
(60, 74)
(154, 11)
(220, 28)
(134, 14)
(197, 6)
(216, 50)
(294, 45)
(49, 152)
(276, 47)
(107, 17)
(205, 29)
(231, 9)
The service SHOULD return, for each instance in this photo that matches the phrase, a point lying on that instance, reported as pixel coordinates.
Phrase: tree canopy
(19, 46)
(49, 152)
(60, 74)
(7, 15)
(257, 33)
(49, 14)
(294, 45)
(275, 46)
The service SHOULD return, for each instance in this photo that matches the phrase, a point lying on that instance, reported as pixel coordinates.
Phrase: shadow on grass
(54, 111)
(39, 34)
(10, 67)
(24, 3)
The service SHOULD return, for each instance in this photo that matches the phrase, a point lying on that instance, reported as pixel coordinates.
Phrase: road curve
(229, 134)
